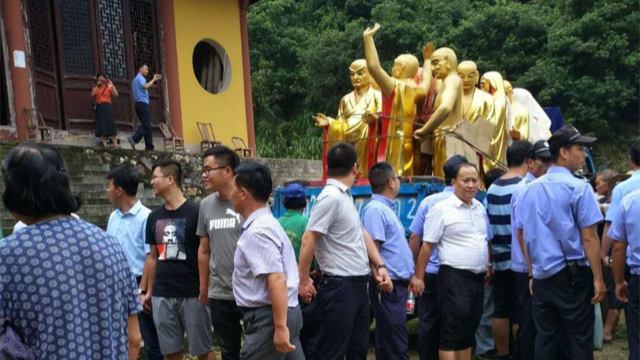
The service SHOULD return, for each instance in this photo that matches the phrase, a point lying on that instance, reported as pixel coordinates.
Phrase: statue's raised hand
(427, 50)
(371, 31)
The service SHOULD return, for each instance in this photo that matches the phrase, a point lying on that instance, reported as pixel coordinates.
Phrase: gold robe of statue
(481, 107)
(492, 83)
(399, 149)
(350, 126)
(519, 115)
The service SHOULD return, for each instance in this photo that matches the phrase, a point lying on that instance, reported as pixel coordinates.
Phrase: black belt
(361, 278)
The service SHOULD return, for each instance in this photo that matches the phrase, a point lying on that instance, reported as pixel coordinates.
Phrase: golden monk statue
(477, 110)
(492, 83)
(356, 111)
(401, 94)
(448, 106)
(519, 116)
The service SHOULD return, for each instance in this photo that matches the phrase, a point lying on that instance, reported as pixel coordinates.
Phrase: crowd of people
(304, 287)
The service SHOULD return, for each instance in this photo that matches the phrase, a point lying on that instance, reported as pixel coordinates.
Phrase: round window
(211, 66)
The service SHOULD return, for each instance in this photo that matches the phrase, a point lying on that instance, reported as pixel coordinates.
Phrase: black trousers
(149, 334)
(144, 130)
(389, 310)
(526, 336)
(429, 325)
(632, 317)
(227, 329)
(561, 309)
(344, 331)
(311, 320)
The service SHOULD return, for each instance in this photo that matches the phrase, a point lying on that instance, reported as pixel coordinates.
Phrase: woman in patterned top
(66, 288)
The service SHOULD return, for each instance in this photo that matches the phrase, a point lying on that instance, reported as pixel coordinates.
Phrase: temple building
(51, 51)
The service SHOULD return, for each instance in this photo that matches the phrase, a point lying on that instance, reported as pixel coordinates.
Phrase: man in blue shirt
(127, 224)
(498, 203)
(558, 214)
(538, 161)
(622, 189)
(428, 310)
(381, 221)
(139, 87)
(625, 232)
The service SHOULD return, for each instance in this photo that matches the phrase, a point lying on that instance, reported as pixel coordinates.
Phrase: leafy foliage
(581, 55)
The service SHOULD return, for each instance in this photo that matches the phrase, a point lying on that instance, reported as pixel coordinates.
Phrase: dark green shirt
(294, 224)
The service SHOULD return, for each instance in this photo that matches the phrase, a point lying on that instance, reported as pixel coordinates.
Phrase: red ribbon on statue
(387, 104)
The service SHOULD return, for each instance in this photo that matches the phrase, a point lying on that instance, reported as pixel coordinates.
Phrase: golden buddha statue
(448, 106)
(492, 83)
(400, 94)
(475, 102)
(356, 111)
(519, 116)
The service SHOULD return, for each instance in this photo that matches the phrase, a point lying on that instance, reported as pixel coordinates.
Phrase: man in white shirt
(459, 228)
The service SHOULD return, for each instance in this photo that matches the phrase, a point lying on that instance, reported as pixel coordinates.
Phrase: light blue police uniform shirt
(518, 263)
(619, 192)
(129, 229)
(551, 212)
(626, 227)
(140, 94)
(417, 225)
(381, 221)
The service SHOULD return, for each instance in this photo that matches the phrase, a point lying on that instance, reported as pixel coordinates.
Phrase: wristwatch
(141, 292)
(381, 266)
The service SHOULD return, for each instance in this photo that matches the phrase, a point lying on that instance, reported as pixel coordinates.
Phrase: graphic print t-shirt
(174, 233)
(222, 225)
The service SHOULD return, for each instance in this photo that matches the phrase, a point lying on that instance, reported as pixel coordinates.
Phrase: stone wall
(88, 168)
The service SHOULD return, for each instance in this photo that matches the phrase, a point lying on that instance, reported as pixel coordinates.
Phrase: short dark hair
(634, 152)
(140, 65)
(224, 155)
(450, 166)
(256, 178)
(340, 159)
(294, 203)
(379, 175)
(461, 166)
(100, 74)
(555, 151)
(170, 167)
(517, 153)
(37, 182)
(491, 176)
(126, 178)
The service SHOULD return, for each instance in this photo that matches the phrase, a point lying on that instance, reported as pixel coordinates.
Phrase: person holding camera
(558, 215)
(102, 93)
(139, 88)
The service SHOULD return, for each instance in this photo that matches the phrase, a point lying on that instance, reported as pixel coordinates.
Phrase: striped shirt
(499, 211)
(263, 248)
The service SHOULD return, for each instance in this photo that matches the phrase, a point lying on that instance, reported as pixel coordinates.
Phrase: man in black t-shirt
(173, 287)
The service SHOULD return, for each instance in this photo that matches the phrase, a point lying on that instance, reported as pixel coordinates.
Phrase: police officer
(559, 214)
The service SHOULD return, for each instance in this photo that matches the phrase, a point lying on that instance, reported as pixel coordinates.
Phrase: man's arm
(590, 242)
(414, 245)
(449, 97)
(150, 83)
(417, 281)
(150, 270)
(606, 243)
(385, 82)
(306, 289)
(134, 336)
(619, 260)
(204, 253)
(277, 287)
(380, 273)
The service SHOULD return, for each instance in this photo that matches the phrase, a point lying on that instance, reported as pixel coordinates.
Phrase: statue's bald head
(405, 67)
(359, 74)
(444, 62)
(468, 72)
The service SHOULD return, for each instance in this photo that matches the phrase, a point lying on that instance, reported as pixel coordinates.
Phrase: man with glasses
(219, 228)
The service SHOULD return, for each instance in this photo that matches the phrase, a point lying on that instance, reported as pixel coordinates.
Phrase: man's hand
(383, 280)
(427, 51)
(622, 292)
(531, 286)
(488, 275)
(599, 291)
(306, 290)
(145, 300)
(281, 339)
(203, 296)
(157, 77)
(416, 285)
(321, 120)
(371, 31)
